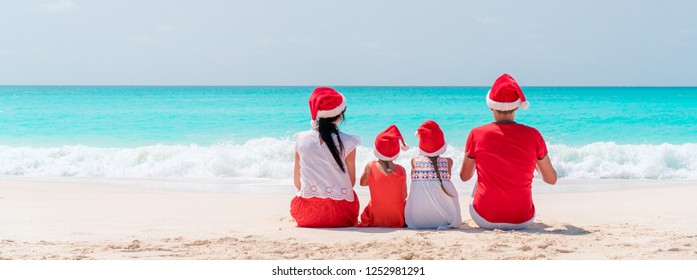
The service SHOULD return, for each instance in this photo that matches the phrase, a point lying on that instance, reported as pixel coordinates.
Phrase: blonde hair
(507, 113)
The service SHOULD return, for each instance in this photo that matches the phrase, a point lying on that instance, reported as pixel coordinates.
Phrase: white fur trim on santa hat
(382, 157)
(333, 112)
(505, 106)
(436, 153)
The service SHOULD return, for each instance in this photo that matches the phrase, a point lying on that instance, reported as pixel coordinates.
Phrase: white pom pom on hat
(525, 105)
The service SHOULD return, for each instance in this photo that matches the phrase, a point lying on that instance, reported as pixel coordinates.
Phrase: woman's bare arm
(296, 171)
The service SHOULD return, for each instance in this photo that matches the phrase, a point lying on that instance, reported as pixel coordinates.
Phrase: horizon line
(257, 85)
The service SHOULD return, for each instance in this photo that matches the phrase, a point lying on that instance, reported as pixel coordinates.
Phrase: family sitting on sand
(504, 153)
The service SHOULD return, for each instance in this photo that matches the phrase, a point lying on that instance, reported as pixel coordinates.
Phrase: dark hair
(326, 129)
(434, 160)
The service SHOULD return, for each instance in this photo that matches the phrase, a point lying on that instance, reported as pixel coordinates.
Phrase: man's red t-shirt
(505, 154)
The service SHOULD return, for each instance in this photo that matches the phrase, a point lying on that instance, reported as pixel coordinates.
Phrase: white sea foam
(273, 158)
(262, 158)
(607, 160)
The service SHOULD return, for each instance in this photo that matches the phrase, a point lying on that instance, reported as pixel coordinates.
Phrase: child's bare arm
(364, 177)
(412, 167)
(546, 170)
(296, 171)
(467, 169)
(405, 189)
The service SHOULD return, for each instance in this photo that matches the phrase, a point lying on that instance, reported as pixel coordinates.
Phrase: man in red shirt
(505, 155)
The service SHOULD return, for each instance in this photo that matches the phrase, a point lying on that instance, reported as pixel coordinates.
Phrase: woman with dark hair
(325, 169)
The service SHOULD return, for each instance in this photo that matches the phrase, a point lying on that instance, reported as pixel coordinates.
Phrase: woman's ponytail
(326, 128)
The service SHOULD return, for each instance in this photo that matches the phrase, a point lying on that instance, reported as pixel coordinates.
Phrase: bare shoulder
(367, 166)
(400, 167)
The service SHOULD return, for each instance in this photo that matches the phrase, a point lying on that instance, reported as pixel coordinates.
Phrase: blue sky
(432, 43)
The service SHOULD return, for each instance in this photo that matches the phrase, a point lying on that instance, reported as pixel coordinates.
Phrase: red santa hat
(506, 95)
(325, 102)
(431, 139)
(387, 143)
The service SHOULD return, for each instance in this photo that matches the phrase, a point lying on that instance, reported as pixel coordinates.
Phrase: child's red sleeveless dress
(386, 206)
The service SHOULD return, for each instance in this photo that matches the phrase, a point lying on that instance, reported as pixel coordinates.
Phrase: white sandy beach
(82, 220)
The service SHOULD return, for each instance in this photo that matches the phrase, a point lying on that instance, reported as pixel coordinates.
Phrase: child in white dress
(433, 200)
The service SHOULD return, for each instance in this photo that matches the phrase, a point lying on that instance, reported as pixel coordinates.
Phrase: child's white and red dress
(427, 205)
(326, 197)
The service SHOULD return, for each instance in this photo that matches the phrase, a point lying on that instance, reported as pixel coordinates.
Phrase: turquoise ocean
(247, 132)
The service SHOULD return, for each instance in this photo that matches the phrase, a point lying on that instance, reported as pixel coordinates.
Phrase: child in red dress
(387, 182)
